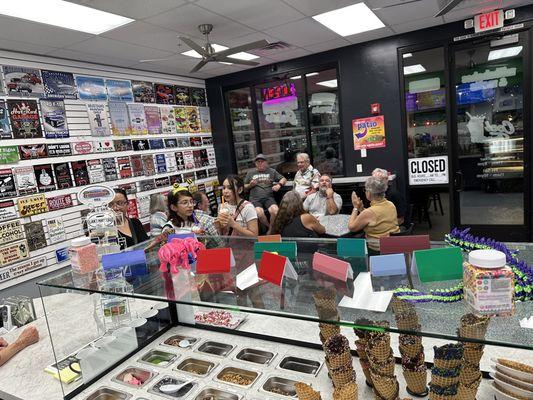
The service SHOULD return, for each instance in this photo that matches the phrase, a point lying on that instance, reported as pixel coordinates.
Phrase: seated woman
(294, 221)
(131, 229)
(158, 214)
(377, 221)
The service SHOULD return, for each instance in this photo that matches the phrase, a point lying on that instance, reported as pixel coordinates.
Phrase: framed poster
(25, 180)
(198, 97)
(171, 143)
(98, 119)
(195, 141)
(96, 171)
(133, 212)
(207, 141)
(182, 95)
(63, 177)
(130, 188)
(91, 88)
(120, 121)
(188, 159)
(82, 147)
(197, 155)
(23, 81)
(153, 119)
(162, 182)
(143, 92)
(32, 151)
(59, 150)
(13, 252)
(59, 85)
(143, 206)
(24, 117)
(369, 133)
(56, 230)
(5, 128)
(54, 119)
(180, 162)
(32, 205)
(146, 185)
(137, 119)
(168, 121)
(164, 94)
(7, 184)
(140, 144)
(45, 177)
(35, 235)
(118, 90)
(156, 144)
(9, 154)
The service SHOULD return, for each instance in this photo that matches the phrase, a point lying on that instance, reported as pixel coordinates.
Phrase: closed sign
(428, 171)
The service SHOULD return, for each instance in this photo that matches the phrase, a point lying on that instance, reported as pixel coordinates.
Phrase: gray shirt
(265, 180)
(315, 204)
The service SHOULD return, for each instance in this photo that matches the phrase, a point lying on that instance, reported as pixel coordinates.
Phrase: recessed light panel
(331, 83)
(505, 53)
(413, 69)
(350, 20)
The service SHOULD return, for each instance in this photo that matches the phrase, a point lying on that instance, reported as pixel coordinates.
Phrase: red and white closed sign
(488, 21)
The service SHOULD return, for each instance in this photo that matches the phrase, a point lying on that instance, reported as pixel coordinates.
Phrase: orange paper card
(214, 261)
(269, 238)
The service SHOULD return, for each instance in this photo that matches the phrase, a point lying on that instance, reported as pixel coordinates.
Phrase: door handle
(458, 181)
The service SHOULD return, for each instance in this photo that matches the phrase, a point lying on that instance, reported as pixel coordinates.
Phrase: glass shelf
(294, 299)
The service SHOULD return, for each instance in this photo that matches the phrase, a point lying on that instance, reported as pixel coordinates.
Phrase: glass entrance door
(488, 127)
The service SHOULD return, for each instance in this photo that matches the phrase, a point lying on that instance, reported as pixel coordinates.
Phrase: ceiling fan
(208, 52)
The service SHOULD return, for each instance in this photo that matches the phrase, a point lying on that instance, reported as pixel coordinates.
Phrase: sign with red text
(488, 21)
(369, 133)
(59, 202)
(13, 252)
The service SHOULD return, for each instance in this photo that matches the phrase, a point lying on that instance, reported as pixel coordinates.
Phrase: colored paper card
(287, 249)
(403, 244)
(332, 266)
(347, 247)
(133, 262)
(363, 297)
(181, 236)
(247, 278)
(390, 264)
(274, 267)
(438, 264)
(214, 261)
(269, 239)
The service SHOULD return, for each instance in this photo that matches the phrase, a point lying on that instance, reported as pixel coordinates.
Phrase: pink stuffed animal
(176, 253)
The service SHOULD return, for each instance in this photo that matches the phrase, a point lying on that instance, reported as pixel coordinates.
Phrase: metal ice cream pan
(255, 356)
(179, 338)
(245, 373)
(279, 386)
(215, 348)
(302, 365)
(158, 358)
(168, 380)
(105, 393)
(216, 394)
(141, 374)
(195, 366)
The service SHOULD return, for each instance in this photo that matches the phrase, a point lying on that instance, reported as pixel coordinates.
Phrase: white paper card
(363, 297)
(248, 277)
(289, 270)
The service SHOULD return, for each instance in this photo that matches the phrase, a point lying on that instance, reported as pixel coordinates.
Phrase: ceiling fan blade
(447, 8)
(245, 47)
(236, 61)
(195, 46)
(198, 66)
(157, 59)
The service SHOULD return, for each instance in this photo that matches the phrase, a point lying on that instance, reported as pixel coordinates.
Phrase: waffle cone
(342, 378)
(469, 374)
(407, 321)
(346, 392)
(416, 380)
(400, 306)
(446, 364)
(379, 348)
(340, 360)
(360, 345)
(306, 392)
(473, 354)
(328, 330)
(368, 375)
(473, 326)
(444, 381)
(386, 387)
(386, 368)
(411, 351)
(435, 396)
(468, 392)
(328, 312)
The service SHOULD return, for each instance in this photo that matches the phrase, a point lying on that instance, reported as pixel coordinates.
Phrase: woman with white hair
(380, 219)
(158, 214)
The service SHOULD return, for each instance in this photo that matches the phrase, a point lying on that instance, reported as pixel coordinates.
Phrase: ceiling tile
(114, 48)
(407, 12)
(257, 14)
(302, 33)
(148, 35)
(136, 9)
(14, 45)
(288, 55)
(330, 44)
(187, 18)
(314, 7)
(418, 24)
(39, 34)
(370, 35)
(91, 58)
(374, 4)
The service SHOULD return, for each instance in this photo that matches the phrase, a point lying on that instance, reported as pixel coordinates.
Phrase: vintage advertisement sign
(54, 118)
(59, 85)
(98, 119)
(25, 180)
(24, 117)
(35, 235)
(11, 231)
(369, 133)
(7, 183)
(13, 252)
(84, 147)
(428, 170)
(7, 210)
(9, 154)
(96, 195)
(62, 254)
(32, 205)
(59, 202)
(56, 230)
(23, 268)
(59, 149)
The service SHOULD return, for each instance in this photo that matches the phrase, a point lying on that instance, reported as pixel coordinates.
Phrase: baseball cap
(260, 156)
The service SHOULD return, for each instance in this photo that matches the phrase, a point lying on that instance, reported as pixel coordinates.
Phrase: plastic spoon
(171, 388)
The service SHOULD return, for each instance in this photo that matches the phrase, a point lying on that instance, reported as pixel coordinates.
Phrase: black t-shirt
(138, 234)
(397, 199)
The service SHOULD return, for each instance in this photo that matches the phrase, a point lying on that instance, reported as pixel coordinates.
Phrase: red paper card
(403, 244)
(272, 267)
(214, 261)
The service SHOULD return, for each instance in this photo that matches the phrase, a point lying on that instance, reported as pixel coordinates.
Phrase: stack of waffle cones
(381, 363)
(347, 392)
(361, 343)
(472, 327)
(326, 308)
(411, 349)
(306, 392)
(339, 361)
(445, 373)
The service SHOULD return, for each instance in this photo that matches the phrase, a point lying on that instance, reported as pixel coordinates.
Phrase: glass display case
(156, 328)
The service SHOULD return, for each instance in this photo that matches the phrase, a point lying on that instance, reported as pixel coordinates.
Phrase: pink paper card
(331, 266)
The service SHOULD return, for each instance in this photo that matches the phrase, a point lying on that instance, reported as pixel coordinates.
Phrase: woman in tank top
(293, 221)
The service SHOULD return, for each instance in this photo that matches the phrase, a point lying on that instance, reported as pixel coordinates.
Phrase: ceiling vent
(272, 48)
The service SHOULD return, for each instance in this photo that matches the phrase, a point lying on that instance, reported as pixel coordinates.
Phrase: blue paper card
(387, 265)
(134, 261)
(181, 236)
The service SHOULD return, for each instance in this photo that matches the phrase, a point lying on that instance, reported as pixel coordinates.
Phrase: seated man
(325, 201)
(262, 183)
(29, 336)
(391, 194)
(306, 178)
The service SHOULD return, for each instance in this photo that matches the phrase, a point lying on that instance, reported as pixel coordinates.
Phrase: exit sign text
(488, 21)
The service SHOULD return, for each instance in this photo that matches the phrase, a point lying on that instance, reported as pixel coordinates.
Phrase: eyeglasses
(187, 203)
(118, 203)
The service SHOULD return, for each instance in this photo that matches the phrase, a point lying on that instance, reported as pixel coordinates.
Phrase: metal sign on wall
(428, 170)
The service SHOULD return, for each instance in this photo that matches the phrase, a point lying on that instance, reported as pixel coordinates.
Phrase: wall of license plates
(63, 128)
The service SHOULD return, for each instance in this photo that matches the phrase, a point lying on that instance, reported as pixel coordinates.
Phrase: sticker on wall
(59, 150)
(32, 151)
(137, 119)
(20, 269)
(120, 121)
(7, 210)
(98, 119)
(428, 170)
(11, 231)
(7, 183)
(369, 133)
(24, 117)
(59, 85)
(23, 81)
(118, 90)
(96, 171)
(45, 177)
(54, 119)
(56, 230)
(32, 205)
(9, 154)
(5, 129)
(143, 92)
(13, 252)
(62, 254)
(91, 88)
(35, 235)
(59, 202)
(153, 119)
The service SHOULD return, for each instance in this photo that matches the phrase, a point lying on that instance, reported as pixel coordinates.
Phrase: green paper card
(287, 249)
(435, 265)
(347, 247)
(9, 154)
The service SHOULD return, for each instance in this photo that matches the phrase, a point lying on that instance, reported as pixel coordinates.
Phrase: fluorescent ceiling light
(64, 14)
(504, 53)
(311, 74)
(195, 54)
(296, 77)
(350, 20)
(225, 63)
(243, 56)
(413, 69)
(407, 55)
(331, 83)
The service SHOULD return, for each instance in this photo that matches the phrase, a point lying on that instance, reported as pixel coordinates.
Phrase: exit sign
(488, 21)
